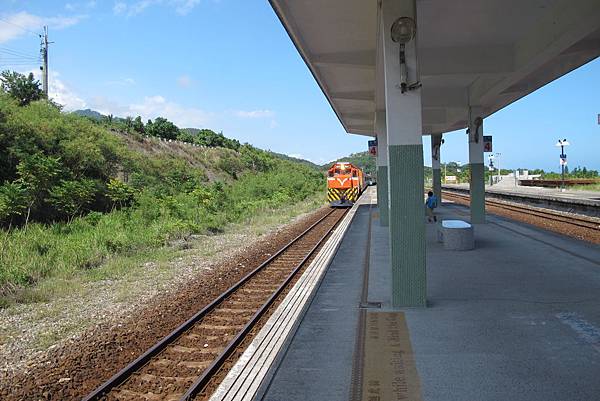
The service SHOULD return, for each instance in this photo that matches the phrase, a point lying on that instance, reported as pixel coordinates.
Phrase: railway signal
(563, 160)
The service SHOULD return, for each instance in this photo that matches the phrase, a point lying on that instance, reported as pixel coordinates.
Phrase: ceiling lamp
(403, 30)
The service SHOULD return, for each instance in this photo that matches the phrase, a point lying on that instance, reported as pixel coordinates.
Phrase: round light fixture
(403, 30)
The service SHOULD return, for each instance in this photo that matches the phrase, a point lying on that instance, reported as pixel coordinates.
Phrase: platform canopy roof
(487, 53)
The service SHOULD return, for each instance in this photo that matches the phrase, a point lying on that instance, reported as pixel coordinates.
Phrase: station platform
(516, 318)
(591, 197)
(582, 202)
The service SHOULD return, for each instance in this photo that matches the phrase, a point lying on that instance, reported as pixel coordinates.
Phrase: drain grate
(370, 305)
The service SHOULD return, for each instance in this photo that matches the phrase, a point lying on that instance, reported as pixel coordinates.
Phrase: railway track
(181, 365)
(573, 220)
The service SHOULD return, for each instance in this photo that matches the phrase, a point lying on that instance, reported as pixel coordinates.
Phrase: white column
(382, 168)
(405, 167)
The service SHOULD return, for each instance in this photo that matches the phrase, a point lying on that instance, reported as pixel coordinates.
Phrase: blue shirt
(431, 202)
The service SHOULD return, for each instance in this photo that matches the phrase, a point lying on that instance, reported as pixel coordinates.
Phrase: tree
(25, 89)
(13, 200)
(129, 123)
(69, 197)
(162, 128)
(185, 136)
(138, 125)
(37, 174)
(207, 137)
(120, 193)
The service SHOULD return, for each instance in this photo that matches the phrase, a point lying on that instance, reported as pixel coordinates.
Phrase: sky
(228, 65)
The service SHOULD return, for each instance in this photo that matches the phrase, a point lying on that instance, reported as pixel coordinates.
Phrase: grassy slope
(176, 196)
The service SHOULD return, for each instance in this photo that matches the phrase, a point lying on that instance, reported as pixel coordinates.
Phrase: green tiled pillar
(382, 167)
(477, 193)
(407, 225)
(382, 195)
(437, 184)
(477, 183)
(405, 163)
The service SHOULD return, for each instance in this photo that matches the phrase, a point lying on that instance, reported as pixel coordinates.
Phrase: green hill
(296, 160)
(76, 192)
(90, 113)
(368, 164)
(363, 160)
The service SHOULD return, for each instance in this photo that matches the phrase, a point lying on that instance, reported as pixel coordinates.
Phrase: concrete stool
(457, 235)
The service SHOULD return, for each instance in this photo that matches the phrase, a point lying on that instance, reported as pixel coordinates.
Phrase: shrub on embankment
(73, 194)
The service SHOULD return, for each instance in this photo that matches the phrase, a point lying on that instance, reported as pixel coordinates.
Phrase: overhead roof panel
(487, 53)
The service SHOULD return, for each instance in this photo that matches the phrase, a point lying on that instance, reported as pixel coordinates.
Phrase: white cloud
(274, 124)
(120, 8)
(155, 106)
(59, 91)
(122, 82)
(255, 113)
(19, 24)
(149, 108)
(184, 81)
(181, 7)
(62, 94)
(78, 6)
(107, 106)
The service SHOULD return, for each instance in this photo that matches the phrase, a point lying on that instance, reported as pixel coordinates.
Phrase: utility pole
(44, 67)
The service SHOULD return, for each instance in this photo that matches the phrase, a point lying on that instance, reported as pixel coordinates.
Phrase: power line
(6, 61)
(12, 56)
(15, 52)
(19, 62)
(16, 62)
(13, 62)
(9, 56)
(11, 65)
(19, 26)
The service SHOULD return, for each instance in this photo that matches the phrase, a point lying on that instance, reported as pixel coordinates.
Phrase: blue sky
(228, 65)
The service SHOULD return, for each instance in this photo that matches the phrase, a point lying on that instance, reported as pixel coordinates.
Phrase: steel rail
(549, 214)
(120, 377)
(208, 373)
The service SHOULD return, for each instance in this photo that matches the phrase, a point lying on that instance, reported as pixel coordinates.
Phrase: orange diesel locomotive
(345, 183)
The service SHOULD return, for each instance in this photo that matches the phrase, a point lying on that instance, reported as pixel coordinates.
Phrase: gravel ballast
(116, 322)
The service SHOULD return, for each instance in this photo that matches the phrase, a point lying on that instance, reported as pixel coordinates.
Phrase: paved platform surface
(567, 195)
(517, 318)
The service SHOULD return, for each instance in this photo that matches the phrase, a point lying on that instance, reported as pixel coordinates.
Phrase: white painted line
(245, 378)
(584, 329)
